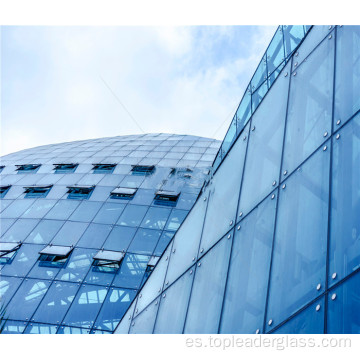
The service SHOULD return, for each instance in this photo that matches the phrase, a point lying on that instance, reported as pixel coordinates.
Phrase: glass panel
(114, 307)
(124, 326)
(132, 271)
(98, 277)
(43, 272)
(78, 265)
(86, 211)
(310, 106)
(26, 299)
(224, 190)
(265, 146)
(258, 95)
(62, 209)
(56, 302)
(301, 238)
(155, 218)
(69, 234)
(23, 261)
(175, 219)
(275, 52)
(119, 238)
(344, 253)
(246, 289)
(19, 230)
(5, 224)
(85, 306)
(14, 327)
(293, 34)
(109, 213)
(174, 305)
(163, 243)
(72, 330)
(144, 322)
(17, 208)
(344, 308)
(44, 232)
(39, 208)
(308, 321)
(40, 329)
(8, 286)
(144, 241)
(229, 137)
(347, 82)
(94, 236)
(132, 215)
(208, 290)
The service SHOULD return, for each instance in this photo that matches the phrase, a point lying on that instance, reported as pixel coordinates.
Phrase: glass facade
(73, 293)
(272, 244)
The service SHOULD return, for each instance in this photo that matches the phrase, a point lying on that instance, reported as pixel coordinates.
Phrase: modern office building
(84, 223)
(271, 245)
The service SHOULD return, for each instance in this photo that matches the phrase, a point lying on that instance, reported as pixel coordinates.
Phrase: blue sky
(184, 80)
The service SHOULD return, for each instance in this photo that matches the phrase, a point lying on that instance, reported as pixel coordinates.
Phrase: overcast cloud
(183, 80)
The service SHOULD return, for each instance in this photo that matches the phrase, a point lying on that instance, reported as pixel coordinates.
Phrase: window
(80, 192)
(37, 191)
(123, 193)
(107, 261)
(27, 168)
(2, 168)
(150, 266)
(54, 256)
(7, 252)
(4, 190)
(167, 198)
(65, 168)
(142, 169)
(103, 168)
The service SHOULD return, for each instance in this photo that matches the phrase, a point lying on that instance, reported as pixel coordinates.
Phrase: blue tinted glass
(17, 208)
(229, 137)
(243, 112)
(132, 215)
(39, 208)
(98, 276)
(26, 299)
(85, 306)
(8, 286)
(72, 330)
(208, 290)
(34, 328)
(310, 106)
(245, 297)
(119, 238)
(275, 52)
(308, 321)
(69, 234)
(144, 322)
(132, 271)
(156, 218)
(86, 211)
(300, 238)
(347, 82)
(143, 197)
(109, 213)
(258, 95)
(44, 232)
(20, 229)
(265, 146)
(114, 307)
(175, 219)
(77, 266)
(186, 201)
(94, 236)
(344, 308)
(175, 303)
(144, 241)
(23, 261)
(62, 210)
(56, 302)
(272, 77)
(293, 34)
(14, 327)
(41, 271)
(163, 243)
(345, 202)
(5, 224)
(260, 74)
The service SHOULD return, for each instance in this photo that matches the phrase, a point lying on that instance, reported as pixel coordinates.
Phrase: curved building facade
(84, 223)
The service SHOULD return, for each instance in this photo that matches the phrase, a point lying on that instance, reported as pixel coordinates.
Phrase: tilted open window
(37, 191)
(65, 168)
(123, 193)
(54, 255)
(4, 190)
(142, 169)
(80, 192)
(108, 261)
(150, 266)
(166, 197)
(27, 168)
(2, 167)
(8, 251)
(103, 168)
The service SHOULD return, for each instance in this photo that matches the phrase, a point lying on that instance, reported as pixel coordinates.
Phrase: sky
(62, 84)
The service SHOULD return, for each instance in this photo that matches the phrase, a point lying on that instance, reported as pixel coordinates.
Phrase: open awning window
(166, 197)
(80, 192)
(103, 168)
(65, 168)
(4, 190)
(142, 169)
(56, 250)
(27, 168)
(123, 193)
(37, 191)
(153, 261)
(8, 251)
(54, 255)
(108, 261)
